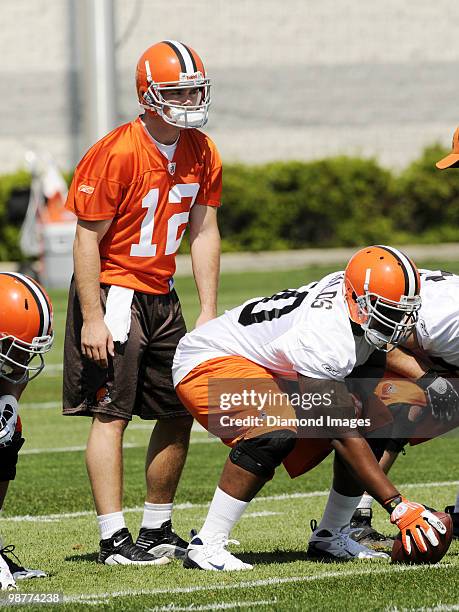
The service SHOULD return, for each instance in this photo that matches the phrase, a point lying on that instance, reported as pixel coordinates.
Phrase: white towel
(118, 312)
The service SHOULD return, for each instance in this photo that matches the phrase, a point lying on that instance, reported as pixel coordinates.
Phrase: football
(433, 554)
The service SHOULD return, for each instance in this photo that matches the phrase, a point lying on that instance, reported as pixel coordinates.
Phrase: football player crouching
(317, 335)
(420, 387)
(25, 335)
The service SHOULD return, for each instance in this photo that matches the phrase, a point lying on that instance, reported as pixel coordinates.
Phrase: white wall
(292, 79)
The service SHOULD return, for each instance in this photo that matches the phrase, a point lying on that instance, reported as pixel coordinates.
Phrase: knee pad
(9, 457)
(262, 455)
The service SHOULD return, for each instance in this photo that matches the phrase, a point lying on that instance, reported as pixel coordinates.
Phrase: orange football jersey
(126, 178)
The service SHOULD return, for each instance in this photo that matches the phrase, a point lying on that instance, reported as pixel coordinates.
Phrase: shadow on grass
(275, 556)
(83, 558)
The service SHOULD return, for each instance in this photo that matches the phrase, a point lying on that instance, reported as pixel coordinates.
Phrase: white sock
(154, 515)
(338, 511)
(456, 507)
(224, 513)
(110, 524)
(365, 502)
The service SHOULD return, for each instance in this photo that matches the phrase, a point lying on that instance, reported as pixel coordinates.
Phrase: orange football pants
(393, 389)
(201, 391)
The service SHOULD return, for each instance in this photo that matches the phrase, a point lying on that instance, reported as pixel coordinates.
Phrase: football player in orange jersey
(25, 335)
(134, 193)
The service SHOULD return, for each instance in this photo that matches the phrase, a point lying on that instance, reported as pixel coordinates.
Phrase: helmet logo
(196, 78)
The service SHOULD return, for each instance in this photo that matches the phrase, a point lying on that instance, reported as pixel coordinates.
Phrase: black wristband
(390, 504)
(426, 379)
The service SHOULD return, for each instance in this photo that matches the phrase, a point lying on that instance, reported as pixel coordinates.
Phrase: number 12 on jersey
(145, 246)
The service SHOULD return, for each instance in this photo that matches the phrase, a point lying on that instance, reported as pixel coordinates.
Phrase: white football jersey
(305, 330)
(438, 326)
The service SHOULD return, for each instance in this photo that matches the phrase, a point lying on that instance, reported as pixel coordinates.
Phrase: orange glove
(415, 522)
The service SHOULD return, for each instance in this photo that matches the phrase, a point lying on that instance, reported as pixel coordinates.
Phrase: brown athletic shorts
(138, 379)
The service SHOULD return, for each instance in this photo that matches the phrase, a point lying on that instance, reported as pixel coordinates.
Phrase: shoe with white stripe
(121, 550)
(162, 542)
(212, 555)
(337, 545)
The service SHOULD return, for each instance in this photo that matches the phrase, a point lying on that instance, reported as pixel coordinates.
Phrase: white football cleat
(337, 545)
(7, 582)
(18, 571)
(212, 555)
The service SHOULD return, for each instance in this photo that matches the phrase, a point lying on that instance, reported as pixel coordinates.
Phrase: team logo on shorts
(103, 397)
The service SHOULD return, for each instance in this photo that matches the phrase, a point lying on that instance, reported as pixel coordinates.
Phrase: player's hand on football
(97, 342)
(441, 395)
(8, 418)
(416, 524)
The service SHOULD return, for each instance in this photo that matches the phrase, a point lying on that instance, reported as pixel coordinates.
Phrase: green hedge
(340, 201)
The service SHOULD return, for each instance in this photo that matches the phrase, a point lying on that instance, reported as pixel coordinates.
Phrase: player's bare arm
(205, 257)
(96, 339)
(352, 448)
(405, 364)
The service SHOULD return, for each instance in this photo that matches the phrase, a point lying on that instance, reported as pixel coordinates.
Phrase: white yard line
(40, 405)
(221, 606)
(53, 369)
(250, 584)
(74, 449)
(260, 514)
(439, 608)
(46, 518)
(58, 405)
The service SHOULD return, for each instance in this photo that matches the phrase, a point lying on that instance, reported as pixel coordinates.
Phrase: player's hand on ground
(442, 397)
(97, 342)
(8, 418)
(416, 524)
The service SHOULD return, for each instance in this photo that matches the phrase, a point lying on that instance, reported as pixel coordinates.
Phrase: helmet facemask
(23, 361)
(180, 115)
(387, 322)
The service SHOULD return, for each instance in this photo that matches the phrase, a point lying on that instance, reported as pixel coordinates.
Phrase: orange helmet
(381, 286)
(26, 318)
(171, 64)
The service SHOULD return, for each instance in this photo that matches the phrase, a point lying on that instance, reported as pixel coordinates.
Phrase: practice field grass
(49, 515)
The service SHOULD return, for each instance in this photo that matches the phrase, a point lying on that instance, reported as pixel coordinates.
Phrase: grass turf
(59, 534)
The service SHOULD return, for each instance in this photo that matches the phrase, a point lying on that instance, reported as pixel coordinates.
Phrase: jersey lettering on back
(295, 331)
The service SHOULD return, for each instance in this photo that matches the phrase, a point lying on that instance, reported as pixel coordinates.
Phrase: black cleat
(18, 571)
(455, 516)
(121, 550)
(162, 542)
(363, 533)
